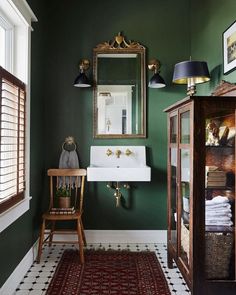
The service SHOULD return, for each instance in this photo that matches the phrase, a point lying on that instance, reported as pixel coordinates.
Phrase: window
(12, 140)
(15, 30)
(6, 41)
(3, 47)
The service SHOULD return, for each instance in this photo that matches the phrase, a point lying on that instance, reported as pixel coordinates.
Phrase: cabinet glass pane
(173, 197)
(185, 127)
(185, 203)
(173, 129)
(220, 196)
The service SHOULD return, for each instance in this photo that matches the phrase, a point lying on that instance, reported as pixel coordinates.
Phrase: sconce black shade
(82, 81)
(185, 70)
(156, 81)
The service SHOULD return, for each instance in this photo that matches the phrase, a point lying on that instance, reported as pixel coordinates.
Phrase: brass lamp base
(191, 90)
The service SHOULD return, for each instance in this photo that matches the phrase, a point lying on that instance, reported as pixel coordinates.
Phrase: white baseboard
(16, 277)
(126, 236)
(118, 236)
(92, 237)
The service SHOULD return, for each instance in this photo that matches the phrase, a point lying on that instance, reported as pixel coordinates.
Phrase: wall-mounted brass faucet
(109, 152)
(118, 153)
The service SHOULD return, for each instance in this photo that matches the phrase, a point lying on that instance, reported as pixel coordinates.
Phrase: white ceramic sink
(113, 168)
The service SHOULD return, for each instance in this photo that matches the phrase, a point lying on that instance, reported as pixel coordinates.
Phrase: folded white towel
(218, 206)
(229, 223)
(219, 209)
(217, 200)
(68, 160)
(217, 214)
(222, 218)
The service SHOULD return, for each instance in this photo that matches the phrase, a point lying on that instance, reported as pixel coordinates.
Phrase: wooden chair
(73, 179)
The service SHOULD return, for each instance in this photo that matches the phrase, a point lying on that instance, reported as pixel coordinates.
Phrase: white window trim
(16, 211)
(23, 10)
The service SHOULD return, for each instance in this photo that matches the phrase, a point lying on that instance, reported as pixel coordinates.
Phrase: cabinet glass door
(184, 189)
(185, 203)
(220, 195)
(173, 129)
(185, 127)
(173, 181)
(173, 234)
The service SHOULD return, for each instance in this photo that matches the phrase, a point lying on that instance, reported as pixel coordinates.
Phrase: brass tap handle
(118, 153)
(128, 152)
(109, 152)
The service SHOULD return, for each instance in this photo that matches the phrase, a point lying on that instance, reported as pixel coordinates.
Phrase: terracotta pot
(64, 202)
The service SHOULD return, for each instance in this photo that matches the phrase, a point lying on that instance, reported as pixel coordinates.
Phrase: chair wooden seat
(74, 180)
(59, 217)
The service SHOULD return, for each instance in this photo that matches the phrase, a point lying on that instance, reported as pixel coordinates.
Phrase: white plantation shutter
(12, 140)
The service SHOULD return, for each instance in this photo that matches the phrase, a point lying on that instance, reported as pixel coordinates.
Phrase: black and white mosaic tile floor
(37, 279)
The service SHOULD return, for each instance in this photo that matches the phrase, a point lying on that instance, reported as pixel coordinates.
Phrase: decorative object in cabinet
(201, 193)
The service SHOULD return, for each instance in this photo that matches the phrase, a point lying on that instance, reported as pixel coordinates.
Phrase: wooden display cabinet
(201, 193)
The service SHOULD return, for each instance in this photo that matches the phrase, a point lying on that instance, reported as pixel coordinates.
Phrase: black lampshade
(156, 81)
(197, 70)
(82, 81)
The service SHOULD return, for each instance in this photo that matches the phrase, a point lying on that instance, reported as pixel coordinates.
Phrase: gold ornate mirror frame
(120, 48)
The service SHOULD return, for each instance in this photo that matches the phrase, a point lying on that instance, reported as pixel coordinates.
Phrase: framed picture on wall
(229, 48)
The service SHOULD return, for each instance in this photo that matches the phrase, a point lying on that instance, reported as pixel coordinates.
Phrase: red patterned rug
(108, 272)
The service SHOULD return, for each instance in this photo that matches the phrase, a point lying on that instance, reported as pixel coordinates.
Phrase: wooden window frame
(14, 199)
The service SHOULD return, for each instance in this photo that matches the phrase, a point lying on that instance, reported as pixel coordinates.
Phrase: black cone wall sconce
(82, 80)
(156, 81)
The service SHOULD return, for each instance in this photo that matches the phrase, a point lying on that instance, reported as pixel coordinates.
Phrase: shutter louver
(12, 140)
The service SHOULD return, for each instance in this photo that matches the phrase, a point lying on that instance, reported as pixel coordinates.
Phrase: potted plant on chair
(64, 196)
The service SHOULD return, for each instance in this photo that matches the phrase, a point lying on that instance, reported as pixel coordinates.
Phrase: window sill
(11, 215)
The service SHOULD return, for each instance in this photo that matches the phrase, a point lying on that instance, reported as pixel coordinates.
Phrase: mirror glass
(119, 93)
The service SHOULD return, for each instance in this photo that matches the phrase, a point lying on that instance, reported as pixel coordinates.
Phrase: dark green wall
(66, 32)
(72, 33)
